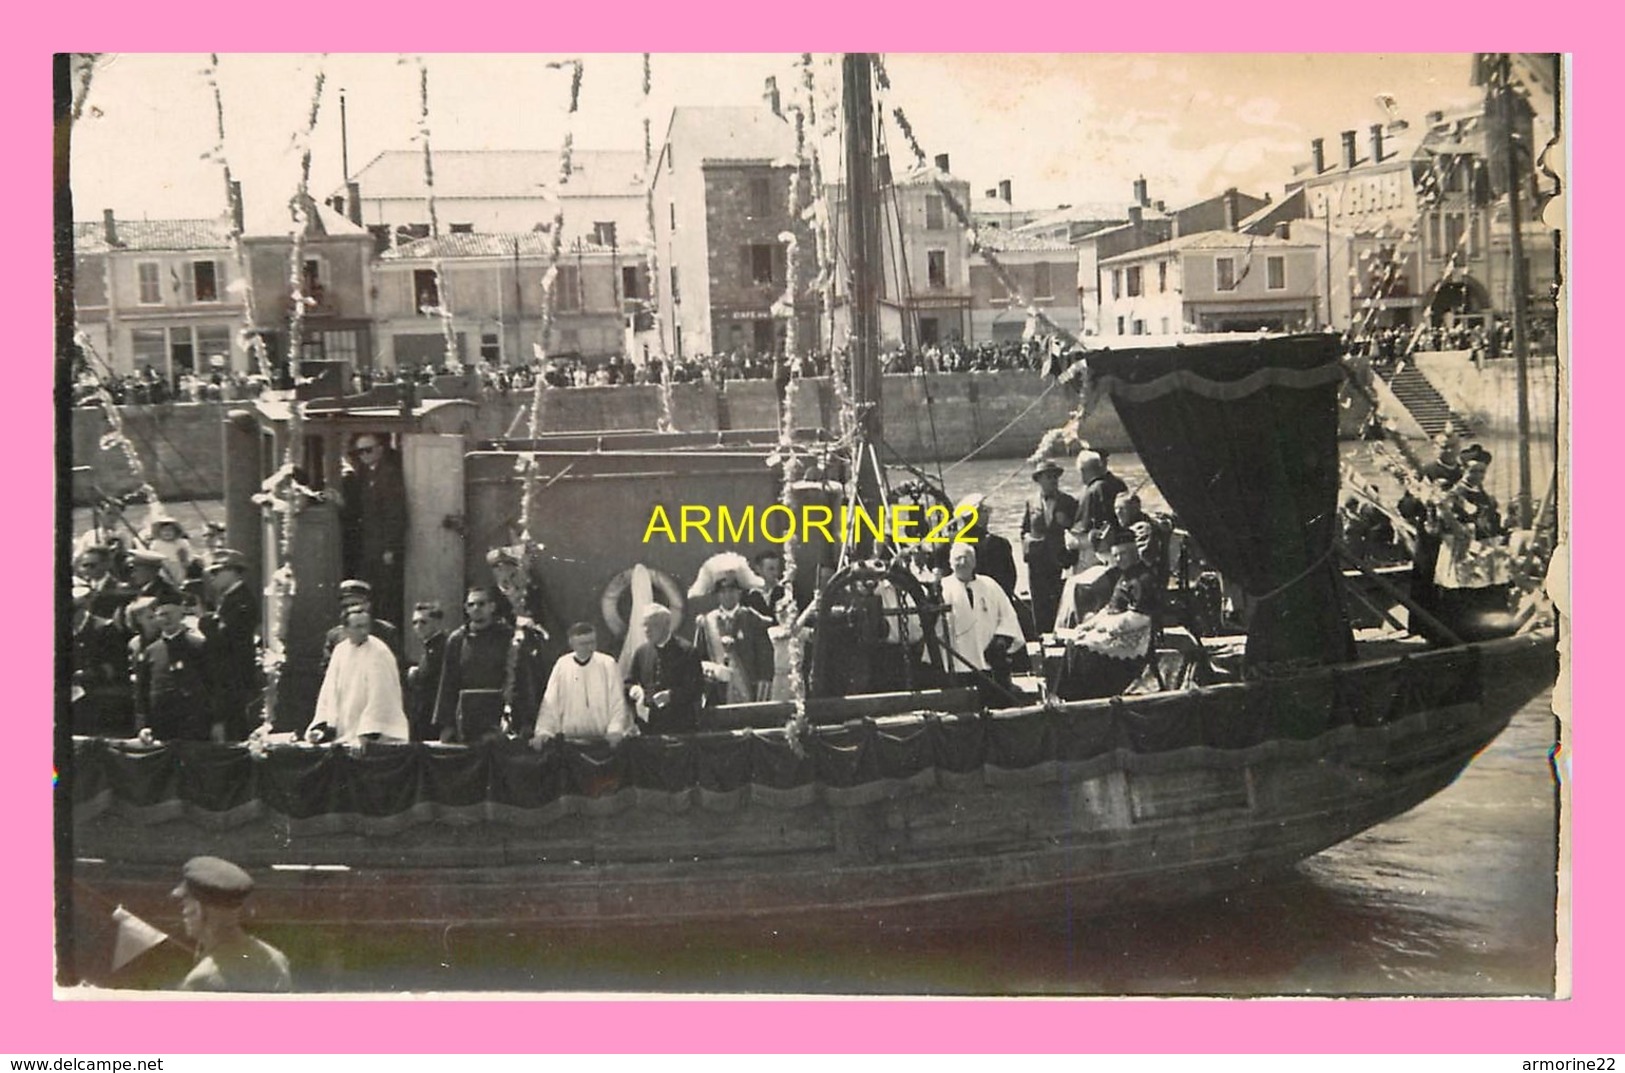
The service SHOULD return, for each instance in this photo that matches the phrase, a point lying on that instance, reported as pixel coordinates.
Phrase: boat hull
(1090, 807)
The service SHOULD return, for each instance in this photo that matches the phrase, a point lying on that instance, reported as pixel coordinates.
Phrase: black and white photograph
(864, 524)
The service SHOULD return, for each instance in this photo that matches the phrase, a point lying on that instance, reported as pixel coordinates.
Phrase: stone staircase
(1423, 400)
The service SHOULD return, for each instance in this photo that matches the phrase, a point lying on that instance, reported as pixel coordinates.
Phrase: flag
(135, 937)
(1246, 262)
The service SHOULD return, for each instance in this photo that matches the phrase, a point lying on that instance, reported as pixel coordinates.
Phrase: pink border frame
(35, 1022)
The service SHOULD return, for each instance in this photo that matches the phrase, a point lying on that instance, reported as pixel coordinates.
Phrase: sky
(1073, 128)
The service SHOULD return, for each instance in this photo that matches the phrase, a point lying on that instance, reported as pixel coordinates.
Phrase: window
(490, 348)
(462, 229)
(1225, 268)
(1117, 287)
(673, 208)
(1164, 325)
(933, 213)
(214, 343)
(339, 346)
(426, 286)
(569, 340)
(1455, 175)
(603, 233)
(757, 261)
(629, 282)
(146, 274)
(314, 278)
(567, 289)
(936, 268)
(1139, 327)
(1162, 279)
(150, 348)
(1119, 325)
(761, 197)
(1455, 228)
(1472, 234)
(1436, 249)
(204, 286)
(1041, 282)
(676, 292)
(1276, 270)
(1136, 281)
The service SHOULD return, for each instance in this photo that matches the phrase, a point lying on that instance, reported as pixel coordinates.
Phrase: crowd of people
(149, 387)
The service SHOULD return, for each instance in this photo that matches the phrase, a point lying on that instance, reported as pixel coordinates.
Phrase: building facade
(335, 285)
(1214, 281)
(490, 287)
(159, 295)
(1044, 271)
(721, 192)
(499, 191)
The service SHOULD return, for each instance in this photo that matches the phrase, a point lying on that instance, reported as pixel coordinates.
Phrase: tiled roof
(154, 235)
(501, 173)
(1016, 242)
(1206, 240)
(698, 134)
(531, 244)
(1086, 213)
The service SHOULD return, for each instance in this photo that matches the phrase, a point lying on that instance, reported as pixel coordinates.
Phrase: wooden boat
(890, 807)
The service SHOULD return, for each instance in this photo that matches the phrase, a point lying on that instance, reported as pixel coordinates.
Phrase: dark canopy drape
(1241, 438)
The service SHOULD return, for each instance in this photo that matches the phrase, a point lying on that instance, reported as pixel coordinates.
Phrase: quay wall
(946, 416)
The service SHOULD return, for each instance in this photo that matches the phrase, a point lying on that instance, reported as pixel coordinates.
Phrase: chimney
(770, 94)
(1136, 215)
(1141, 197)
(1318, 148)
(1161, 205)
(1376, 143)
(942, 162)
(1351, 154)
(1004, 191)
(110, 228)
(1230, 218)
(236, 207)
(352, 200)
(1283, 229)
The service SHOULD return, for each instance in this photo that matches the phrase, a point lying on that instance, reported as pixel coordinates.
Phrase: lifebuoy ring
(609, 605)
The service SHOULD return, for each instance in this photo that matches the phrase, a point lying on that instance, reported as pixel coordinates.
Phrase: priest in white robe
(586, 697)
(361, 693)
(979, 617)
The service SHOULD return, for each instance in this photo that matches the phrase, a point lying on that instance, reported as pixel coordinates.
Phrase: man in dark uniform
(521, 601)
(107, 594)
(423, 677)
(1043, 541)
(475, 686)
(172, 679)
(1101, 487)
(101, 674)
(374, 523)
(232, 631)
(1443, 472)
(765, 601)
(212, 892)
(147, 575)
(665, 681)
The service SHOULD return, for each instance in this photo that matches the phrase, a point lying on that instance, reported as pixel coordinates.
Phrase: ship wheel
(855, 622)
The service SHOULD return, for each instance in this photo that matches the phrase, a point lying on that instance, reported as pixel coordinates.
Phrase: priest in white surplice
(361, 694)
(585, 696)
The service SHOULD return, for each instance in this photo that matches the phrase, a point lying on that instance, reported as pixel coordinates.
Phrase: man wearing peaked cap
(232, 631)
(172, 679)
(353, 592)
(147, 574)
(212, 892)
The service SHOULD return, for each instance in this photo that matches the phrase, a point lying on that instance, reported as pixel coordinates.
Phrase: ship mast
(864, 256)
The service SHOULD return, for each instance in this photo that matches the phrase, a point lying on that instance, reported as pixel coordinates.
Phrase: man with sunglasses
(374, 522)
(475, 674)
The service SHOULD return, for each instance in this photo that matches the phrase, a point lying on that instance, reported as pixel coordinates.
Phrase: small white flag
(135, 937)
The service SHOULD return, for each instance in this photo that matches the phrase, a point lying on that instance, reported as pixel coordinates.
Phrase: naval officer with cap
(354, 593)
(212, 892)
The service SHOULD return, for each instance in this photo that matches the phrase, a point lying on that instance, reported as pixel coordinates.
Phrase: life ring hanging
(609, 605)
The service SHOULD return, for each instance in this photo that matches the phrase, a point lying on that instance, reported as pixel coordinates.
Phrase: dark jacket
(424, 687)
(172, 687)
(473, 660)
(674, 666)
(1044, 534)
